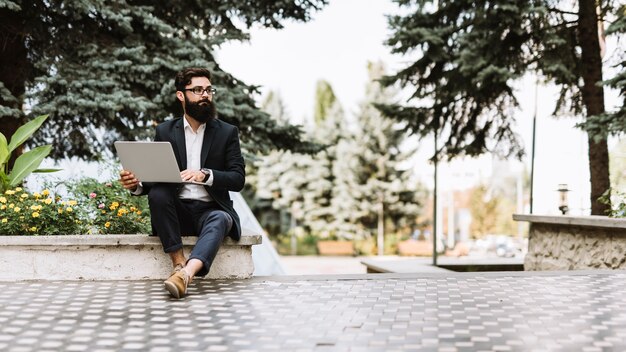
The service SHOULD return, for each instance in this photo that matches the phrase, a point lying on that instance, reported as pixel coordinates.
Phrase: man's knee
(219, 218)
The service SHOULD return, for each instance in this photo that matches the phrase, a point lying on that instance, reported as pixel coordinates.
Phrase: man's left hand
(192, 175)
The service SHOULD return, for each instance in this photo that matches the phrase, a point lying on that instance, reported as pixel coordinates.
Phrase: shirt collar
(186, 126)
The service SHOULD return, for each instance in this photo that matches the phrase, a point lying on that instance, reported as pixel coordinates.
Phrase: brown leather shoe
(177, 284)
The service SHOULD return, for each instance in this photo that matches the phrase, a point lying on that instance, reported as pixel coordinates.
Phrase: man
(208, 151)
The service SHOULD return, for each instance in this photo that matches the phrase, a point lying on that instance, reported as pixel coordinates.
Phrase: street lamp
(563, 207)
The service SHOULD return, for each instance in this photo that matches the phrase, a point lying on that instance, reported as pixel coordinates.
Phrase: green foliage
(470, 56)
(109, 67)
(305, 245)
(617, 200)
(110, 208)
(26, 163)
(24, 213)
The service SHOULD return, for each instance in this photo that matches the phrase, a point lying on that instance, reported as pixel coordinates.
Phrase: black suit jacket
(221, 153)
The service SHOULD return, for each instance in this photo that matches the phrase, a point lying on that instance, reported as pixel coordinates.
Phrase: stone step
(112, 257)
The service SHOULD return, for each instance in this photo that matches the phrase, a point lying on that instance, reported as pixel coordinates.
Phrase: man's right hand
(128, 180)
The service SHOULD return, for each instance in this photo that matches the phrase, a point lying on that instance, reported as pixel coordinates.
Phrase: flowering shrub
(110, 208)
(23, 213)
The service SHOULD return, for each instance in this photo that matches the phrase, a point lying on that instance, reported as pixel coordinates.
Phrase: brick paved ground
(558, 311)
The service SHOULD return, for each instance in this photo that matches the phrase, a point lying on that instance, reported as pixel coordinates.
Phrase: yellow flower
(45, 192)
(33, 207)
(115, 204)
(48, 200)
(60, 211)
(9, 192)
(2, 207)
(33, 229)
(5, 220)
(24, 195)
(3, 200)
(69, 209)
(17, 209)
(37, 195)
(18, 189)
(133, 208)
(11, 206)
(35, 214)
(138, 212)
(104, 212)
(107, 224)
(72, 203)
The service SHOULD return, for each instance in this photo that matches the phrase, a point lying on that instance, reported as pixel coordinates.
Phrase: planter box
(414, 247)
(575, 242)
(335, 247)
(111, 257)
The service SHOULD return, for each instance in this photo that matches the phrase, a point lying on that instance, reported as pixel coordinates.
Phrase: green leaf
(27, 163)
(4, 149)
(43, 171)
(25, 131)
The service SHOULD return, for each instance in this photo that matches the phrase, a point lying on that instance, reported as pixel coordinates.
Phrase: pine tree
(104, 70)
(472, 52)
(369, 168)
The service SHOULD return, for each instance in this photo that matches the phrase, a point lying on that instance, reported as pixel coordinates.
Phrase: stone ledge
(111, 257)
(112, 240)
(592, 220)
(575, 242)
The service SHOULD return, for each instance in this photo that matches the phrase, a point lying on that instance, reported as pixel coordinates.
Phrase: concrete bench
(111, 257)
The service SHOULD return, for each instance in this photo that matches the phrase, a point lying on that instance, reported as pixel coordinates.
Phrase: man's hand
(192, 175)
(128, 180)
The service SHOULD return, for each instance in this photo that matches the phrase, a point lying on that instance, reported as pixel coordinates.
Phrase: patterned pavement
(558, 311)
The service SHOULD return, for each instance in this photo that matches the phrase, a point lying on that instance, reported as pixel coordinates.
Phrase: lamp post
(563, 203)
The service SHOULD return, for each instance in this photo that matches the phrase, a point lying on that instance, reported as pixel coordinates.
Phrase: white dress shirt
(193, 142)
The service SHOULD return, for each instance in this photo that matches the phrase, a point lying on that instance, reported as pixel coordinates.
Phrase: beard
(201, 111)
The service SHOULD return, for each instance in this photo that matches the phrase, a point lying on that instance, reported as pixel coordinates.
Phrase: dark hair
(184, 76)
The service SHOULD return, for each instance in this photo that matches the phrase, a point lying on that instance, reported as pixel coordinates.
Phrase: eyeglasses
(200, 90)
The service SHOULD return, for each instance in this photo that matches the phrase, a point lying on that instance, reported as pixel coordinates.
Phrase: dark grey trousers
(173, 217)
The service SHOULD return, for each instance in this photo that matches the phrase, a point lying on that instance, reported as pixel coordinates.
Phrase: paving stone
(501, 312)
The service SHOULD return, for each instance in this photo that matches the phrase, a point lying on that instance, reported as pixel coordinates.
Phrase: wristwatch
(207, 174)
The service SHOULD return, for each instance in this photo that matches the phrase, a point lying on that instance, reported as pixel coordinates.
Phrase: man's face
(198, 106)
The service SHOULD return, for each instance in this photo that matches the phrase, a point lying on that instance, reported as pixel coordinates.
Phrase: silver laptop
(150, 161)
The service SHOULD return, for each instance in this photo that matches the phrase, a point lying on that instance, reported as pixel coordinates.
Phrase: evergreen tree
(104, 70)
(472, 52)
(369, 169)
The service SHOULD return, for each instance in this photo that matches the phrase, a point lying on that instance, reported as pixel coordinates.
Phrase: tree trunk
(14, 68)
(593, 98)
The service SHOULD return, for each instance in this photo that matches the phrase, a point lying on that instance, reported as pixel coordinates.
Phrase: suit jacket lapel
(179, 144)
(209, 133)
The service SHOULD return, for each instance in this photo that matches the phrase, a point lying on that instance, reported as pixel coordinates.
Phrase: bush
(110, 208)
(23, 213)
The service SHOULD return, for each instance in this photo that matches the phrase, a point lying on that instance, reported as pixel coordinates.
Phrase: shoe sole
(172, 289)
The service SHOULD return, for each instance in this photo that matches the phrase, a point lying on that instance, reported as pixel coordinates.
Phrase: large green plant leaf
(25, 131)
(4, 149)
(27, 163)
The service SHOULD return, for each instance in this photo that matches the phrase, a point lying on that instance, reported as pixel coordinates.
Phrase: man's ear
(180, 96)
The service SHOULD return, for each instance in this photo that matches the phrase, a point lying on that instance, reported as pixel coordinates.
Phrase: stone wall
(575, 243)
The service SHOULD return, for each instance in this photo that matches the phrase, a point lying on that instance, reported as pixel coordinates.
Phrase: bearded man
(208, 151)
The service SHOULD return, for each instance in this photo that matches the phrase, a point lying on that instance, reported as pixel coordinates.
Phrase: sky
(335, 46)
